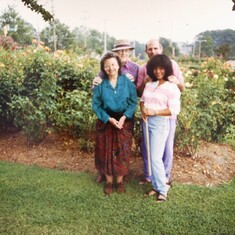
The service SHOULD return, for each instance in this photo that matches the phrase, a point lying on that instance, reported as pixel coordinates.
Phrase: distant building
(185, 49)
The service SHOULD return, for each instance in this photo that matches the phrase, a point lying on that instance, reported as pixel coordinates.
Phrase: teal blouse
(122, 98)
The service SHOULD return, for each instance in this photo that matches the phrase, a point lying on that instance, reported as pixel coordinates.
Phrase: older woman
(160, 100)
(129, 68)
(114, 102)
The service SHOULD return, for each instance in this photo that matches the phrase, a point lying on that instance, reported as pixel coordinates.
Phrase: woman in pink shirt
(154, 47)
(160, 101)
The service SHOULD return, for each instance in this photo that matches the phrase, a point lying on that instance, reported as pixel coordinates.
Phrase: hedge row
(42, 92)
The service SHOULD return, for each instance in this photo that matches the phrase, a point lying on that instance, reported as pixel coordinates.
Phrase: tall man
(154, 47)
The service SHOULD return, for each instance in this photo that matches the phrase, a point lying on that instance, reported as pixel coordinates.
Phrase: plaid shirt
(131, 68)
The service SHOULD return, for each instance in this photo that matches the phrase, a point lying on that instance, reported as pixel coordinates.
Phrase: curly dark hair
(107, 56)
(159, 61)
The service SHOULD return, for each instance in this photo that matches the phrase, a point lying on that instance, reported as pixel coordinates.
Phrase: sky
(140, 20)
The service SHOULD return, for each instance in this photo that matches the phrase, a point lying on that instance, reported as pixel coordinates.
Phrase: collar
(120, 81)
(127, 64)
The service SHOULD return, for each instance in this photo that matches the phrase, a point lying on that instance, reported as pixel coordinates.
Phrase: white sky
(179, 20)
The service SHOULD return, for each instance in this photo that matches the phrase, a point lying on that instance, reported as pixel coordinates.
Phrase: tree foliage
(7, 42)
(218, 40)
(84, 40)
(20, 31)
(34, 6)
(223, 50)
(170, 48)
(139, 50)
(65, 39)
(80, 39)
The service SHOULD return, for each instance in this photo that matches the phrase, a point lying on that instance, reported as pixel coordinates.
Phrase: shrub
(31, 119)
(11, 77)
(74, 116)
(207, 106)
(42, 91)
(7, 42)
(55, 93)
(74, 74)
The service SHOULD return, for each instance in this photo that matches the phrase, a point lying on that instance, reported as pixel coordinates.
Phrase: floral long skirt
(113, 148)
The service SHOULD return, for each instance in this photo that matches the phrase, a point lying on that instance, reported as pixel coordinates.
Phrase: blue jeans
(158, 128)
(168, 152)
(169, 149)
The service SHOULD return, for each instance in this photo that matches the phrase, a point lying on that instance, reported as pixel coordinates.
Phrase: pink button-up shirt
(167, 95)
(176, 72)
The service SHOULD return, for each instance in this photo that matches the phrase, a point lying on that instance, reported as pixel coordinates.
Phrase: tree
(91, 40)
(65, 39)
(110, 42)
(33, 5)
(95, 41)
(218, 38)
(7, 42)
(80, 39)
(223, 51)
(204, 46)
(21, 31)
(140, 50)
(169, 48)
(207, 45)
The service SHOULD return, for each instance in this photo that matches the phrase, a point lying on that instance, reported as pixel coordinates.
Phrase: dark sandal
(161, 198)
(152, 192)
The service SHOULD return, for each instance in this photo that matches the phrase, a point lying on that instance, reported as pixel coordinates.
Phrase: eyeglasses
(109, 66)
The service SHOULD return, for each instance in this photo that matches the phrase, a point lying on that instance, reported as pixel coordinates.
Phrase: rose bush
(46, 92)
(42, 92)
(208, 105)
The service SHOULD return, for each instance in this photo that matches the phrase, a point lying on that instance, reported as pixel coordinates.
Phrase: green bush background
(41, 92)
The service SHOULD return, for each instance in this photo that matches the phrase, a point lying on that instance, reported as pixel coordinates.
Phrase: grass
(35, 201)
(231, 142)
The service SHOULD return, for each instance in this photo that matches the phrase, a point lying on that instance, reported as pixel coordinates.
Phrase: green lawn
(35, 200)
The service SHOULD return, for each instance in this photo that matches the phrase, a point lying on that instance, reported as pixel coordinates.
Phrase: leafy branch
(34, 6)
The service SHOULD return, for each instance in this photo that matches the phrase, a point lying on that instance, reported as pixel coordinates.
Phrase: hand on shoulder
(130, 76)
(173, 79)
(96, 81)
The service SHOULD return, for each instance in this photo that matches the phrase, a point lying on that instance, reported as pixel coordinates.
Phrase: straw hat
(122, 45)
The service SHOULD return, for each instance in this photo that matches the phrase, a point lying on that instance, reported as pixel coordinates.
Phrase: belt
(116, 115)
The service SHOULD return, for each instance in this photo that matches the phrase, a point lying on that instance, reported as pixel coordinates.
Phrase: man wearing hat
(129, 68)
(123, 48)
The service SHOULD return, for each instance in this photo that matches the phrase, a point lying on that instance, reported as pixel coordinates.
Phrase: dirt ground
(215, 163)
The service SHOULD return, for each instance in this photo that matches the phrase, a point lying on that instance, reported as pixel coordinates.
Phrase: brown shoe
(100, 179)
(121, 188)
(108, 188)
